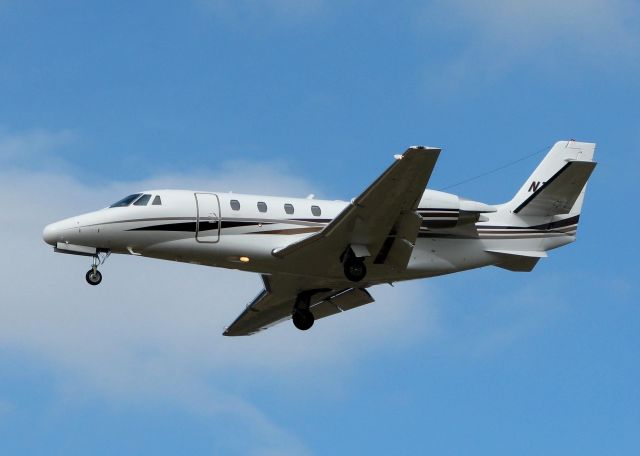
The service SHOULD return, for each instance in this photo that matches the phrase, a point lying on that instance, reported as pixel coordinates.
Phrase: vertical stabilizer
(557, 185)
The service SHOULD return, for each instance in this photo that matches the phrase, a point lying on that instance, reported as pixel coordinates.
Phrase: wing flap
(341, 302)
(398, 246)
(275, 303)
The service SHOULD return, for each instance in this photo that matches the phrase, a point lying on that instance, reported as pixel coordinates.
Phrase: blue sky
(314, 96)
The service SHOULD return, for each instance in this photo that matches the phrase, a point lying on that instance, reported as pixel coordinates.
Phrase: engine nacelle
(440, 210)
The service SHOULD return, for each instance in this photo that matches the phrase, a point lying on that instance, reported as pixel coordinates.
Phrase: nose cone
(52, 233)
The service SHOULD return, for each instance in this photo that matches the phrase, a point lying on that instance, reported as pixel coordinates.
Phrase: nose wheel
(93, 276)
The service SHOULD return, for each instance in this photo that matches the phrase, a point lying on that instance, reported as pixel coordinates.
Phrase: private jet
(318, 257)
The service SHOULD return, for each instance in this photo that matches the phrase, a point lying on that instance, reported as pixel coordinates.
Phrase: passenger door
(208, 219)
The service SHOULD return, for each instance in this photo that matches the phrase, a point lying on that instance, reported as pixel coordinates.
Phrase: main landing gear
(302, 317)
(354, 270)
(354, 267)
(93, 276)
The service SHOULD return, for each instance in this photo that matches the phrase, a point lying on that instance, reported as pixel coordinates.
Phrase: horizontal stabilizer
(559, 194)
(517, 260)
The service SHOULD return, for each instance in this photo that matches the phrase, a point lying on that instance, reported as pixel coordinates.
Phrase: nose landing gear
(93, 276)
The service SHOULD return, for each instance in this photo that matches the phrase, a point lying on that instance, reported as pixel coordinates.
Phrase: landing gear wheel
(354, 269)
(302, 319)
(93, 276)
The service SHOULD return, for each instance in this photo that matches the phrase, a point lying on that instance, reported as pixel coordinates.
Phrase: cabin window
(157, 201)
(288, 208)
(235, 205)
(126, 200)
(262, 206)
(143, 200)
(315, 210)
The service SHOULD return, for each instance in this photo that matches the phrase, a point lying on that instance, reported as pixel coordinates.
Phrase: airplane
(318, 257)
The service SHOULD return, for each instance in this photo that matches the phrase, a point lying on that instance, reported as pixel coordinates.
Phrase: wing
(275, 304)
(381, 222)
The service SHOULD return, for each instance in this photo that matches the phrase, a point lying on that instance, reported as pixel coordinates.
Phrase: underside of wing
(379, 226)
(265, 310)
(276, 302)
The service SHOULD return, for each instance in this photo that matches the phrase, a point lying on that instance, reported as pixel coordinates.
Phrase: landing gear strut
(302, 317)
(93, 276)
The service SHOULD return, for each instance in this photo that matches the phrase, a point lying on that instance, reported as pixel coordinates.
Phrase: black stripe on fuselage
(184, 226)
(566, 226)
(203, 226)
(309, 220)
(505, 231)
(545, 226)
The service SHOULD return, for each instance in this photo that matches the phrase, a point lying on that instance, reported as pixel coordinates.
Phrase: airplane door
(208, 220)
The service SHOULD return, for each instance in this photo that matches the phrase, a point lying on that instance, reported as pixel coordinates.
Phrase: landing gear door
(208, 218)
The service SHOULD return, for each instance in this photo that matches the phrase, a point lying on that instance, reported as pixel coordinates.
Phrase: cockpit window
(143, 200)
(126, 201)
(157, 201)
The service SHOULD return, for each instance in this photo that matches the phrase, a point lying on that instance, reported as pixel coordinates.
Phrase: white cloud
(152, 329)
(546, 36)
(590, 25)
(32, 144)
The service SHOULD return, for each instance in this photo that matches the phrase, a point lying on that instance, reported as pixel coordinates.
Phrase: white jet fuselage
(318, 257)
(203, 228)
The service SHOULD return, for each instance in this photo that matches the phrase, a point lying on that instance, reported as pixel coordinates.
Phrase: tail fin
(558, 184)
